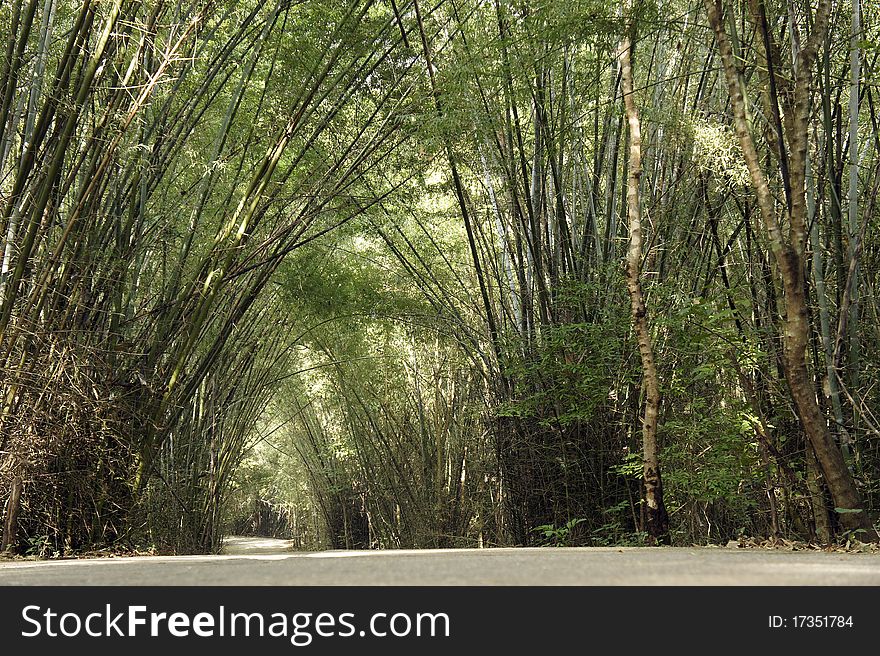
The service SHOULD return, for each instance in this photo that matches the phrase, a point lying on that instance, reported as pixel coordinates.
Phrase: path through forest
(242, 545)
(262, 561)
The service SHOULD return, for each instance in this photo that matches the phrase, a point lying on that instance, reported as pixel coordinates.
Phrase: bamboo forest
(373, 274)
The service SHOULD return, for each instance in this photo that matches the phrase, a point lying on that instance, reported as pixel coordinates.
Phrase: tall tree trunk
(789, 252)
(854, 354)
(656, 518)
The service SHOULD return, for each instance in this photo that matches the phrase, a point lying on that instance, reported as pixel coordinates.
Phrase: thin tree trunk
(825, 318)
(853, 355)
(10, 526)
(656, 518)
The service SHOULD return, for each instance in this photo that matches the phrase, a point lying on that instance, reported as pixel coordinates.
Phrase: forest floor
(263, 561)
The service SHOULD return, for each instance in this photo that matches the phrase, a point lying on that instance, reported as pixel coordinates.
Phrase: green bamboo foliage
(527, 125)
(160, 161)
(181, 182)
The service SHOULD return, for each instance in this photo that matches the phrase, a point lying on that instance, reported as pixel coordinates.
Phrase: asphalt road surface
(258, 561)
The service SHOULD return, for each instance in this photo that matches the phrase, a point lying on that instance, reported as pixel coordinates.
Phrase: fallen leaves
(781, 544)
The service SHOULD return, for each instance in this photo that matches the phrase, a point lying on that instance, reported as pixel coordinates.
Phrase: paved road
(249, 561)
